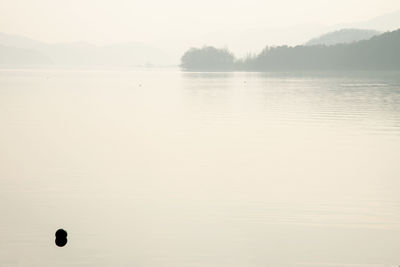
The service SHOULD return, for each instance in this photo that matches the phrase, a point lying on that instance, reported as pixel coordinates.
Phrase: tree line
(381, 52)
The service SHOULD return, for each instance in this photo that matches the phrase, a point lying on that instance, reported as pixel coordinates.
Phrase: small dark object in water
(61, 237)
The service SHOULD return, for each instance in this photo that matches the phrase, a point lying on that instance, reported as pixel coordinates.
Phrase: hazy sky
(105, 21)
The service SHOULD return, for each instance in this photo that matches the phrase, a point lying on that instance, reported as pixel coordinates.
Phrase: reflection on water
(199, 169)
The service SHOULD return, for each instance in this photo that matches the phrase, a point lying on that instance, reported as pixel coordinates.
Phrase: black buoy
(61, 237)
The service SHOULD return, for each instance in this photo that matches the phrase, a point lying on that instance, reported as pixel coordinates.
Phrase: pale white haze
(173, 26)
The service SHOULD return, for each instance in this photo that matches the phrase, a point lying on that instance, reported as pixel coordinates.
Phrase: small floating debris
(61, 237)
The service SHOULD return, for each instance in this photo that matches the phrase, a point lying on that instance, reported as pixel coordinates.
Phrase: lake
(171, 169)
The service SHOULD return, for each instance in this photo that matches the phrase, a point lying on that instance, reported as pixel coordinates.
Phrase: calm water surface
(172, 169)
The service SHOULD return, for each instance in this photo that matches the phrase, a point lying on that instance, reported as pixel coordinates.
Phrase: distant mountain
(385, 22)
(381, 52)
(17, 41)
(32, 52)
(14, 56)
(343, 36)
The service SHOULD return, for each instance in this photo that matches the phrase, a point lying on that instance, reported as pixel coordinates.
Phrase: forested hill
(208, 59)
(381, 52)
